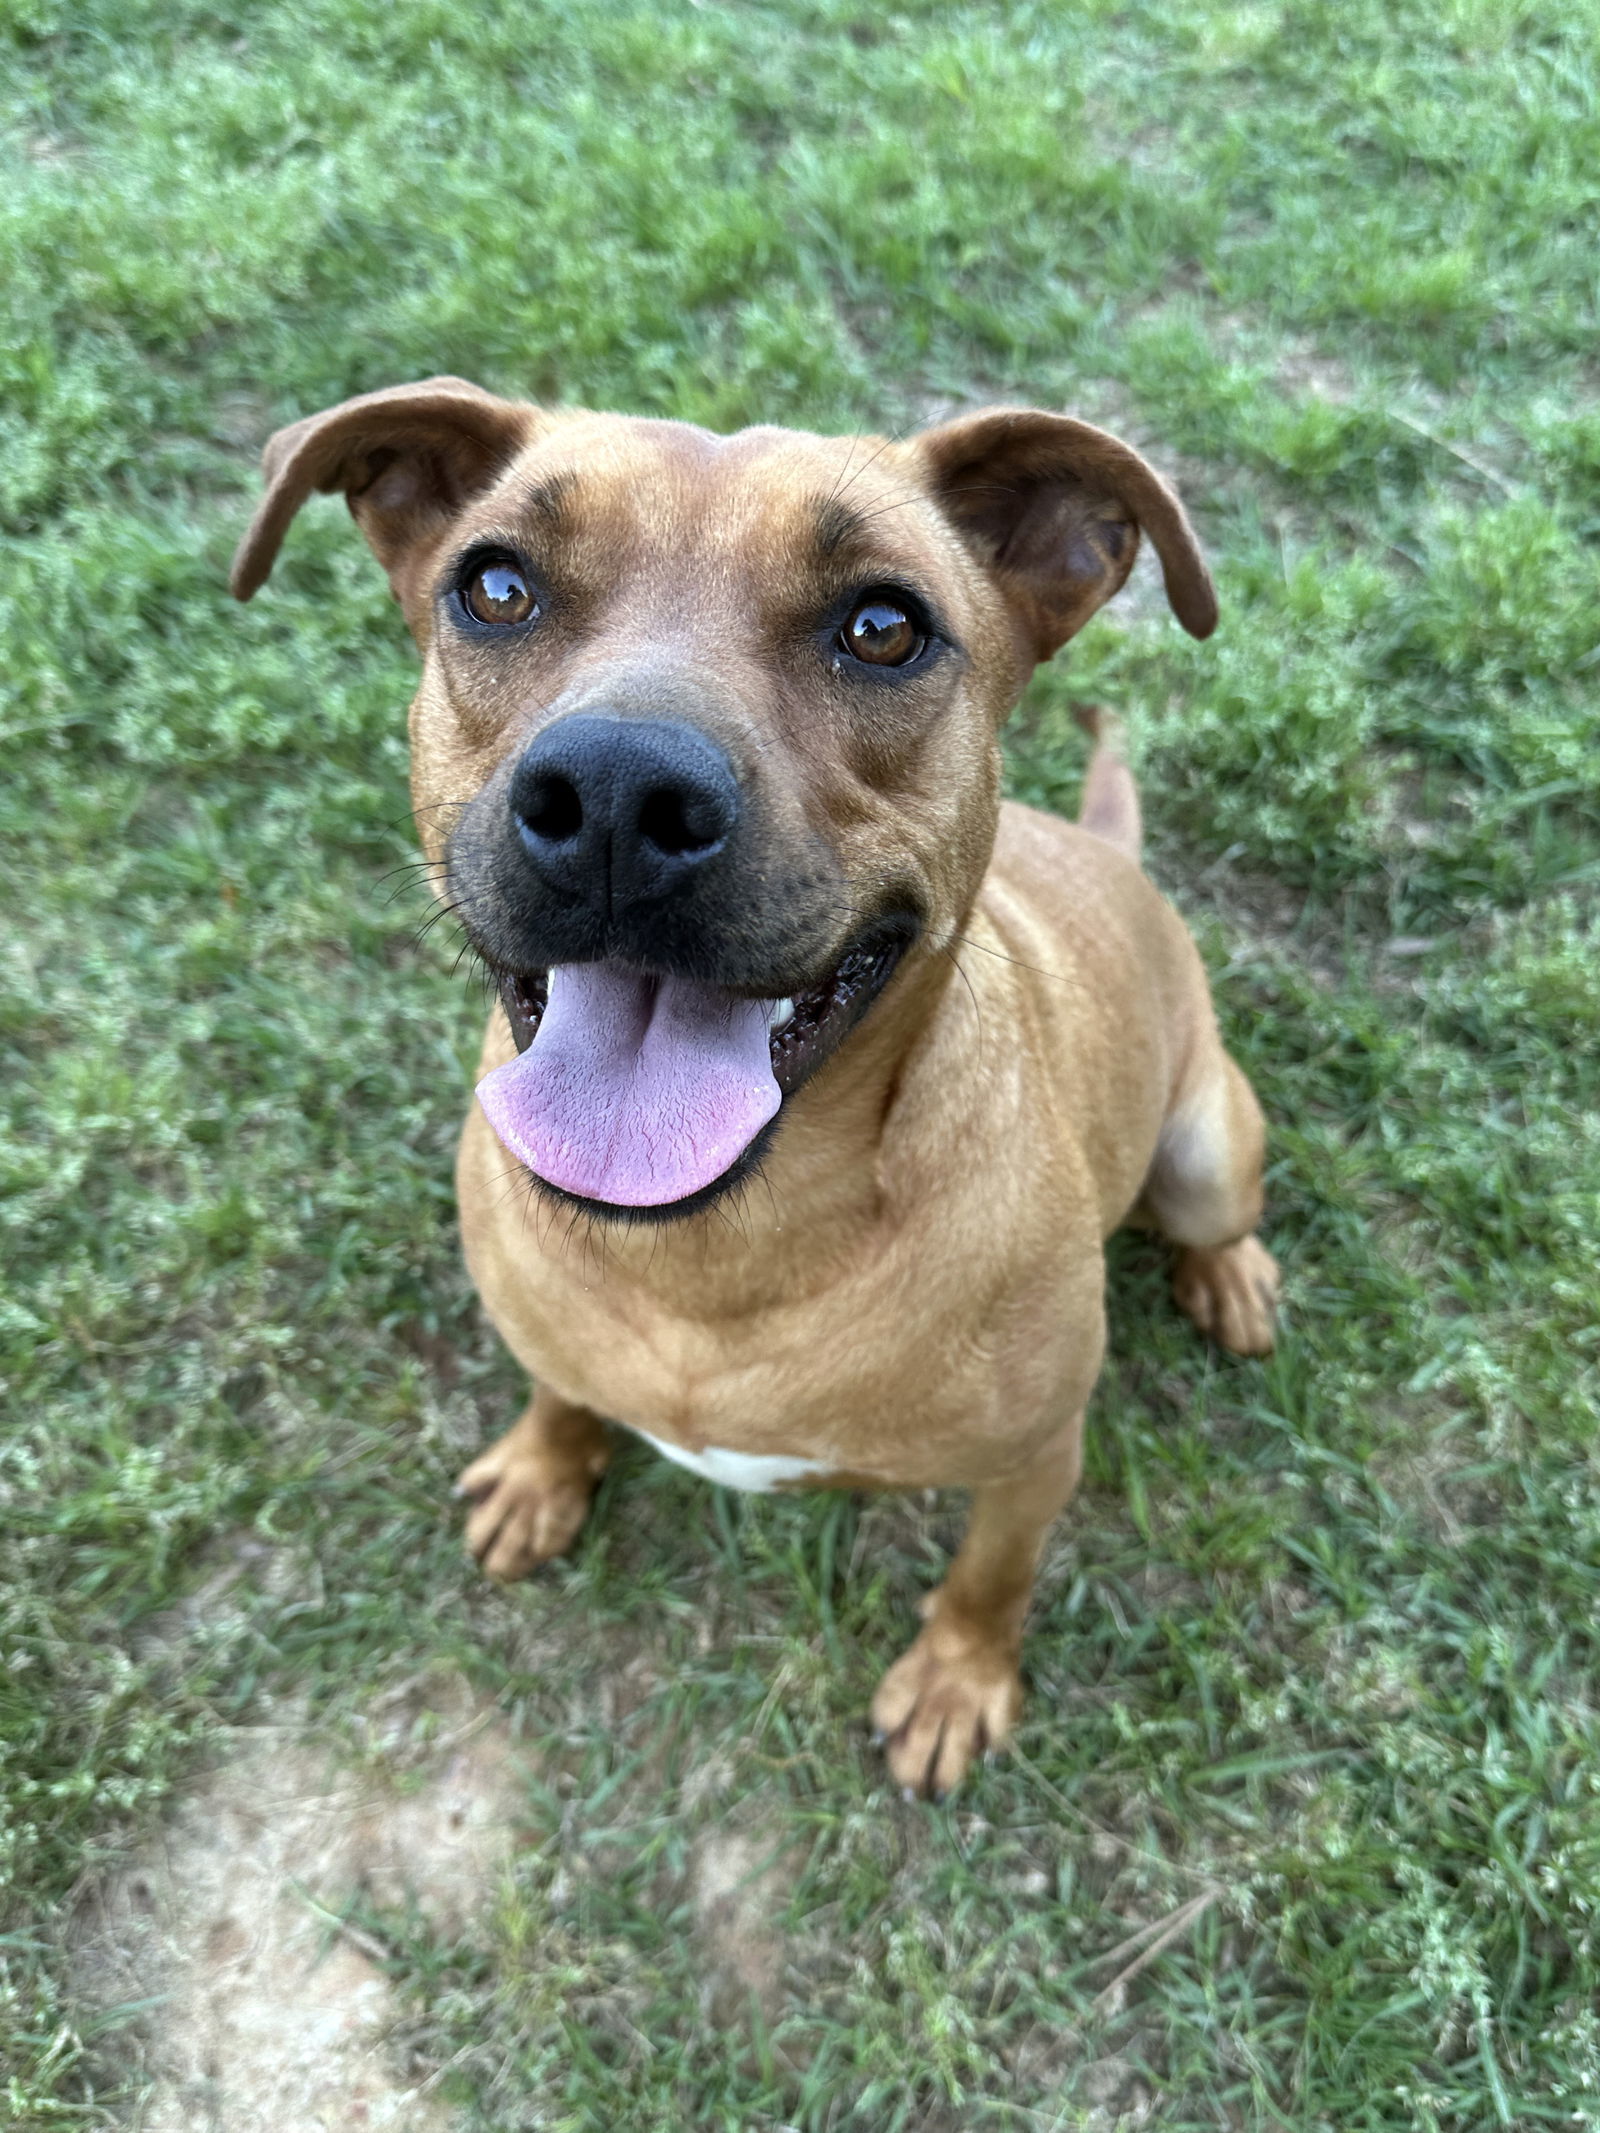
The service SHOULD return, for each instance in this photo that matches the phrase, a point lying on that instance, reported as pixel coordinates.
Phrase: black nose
(615, 812)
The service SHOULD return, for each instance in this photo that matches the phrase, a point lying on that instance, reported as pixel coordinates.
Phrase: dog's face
(706, 745)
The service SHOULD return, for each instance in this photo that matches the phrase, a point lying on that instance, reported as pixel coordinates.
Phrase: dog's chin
(810, 1024)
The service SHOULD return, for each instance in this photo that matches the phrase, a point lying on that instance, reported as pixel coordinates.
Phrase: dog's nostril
(556, 812)
(667, 823)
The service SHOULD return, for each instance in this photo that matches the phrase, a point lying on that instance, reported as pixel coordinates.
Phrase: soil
(264, 2005)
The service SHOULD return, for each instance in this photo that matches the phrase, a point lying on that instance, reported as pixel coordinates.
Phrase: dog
(841, 1068)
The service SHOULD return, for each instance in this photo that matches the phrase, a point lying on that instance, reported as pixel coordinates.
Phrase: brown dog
(705, 757)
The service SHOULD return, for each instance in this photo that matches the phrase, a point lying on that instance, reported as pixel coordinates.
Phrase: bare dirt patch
(740, 1888)
(264, 2006)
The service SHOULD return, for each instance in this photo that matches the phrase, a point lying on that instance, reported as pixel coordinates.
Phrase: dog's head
(706, 744)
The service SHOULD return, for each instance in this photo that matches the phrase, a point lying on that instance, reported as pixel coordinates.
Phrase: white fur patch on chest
(758, 1472)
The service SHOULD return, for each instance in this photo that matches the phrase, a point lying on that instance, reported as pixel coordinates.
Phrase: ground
(1303, 1828)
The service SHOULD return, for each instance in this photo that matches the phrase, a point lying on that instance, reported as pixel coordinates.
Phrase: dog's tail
(1110, 806)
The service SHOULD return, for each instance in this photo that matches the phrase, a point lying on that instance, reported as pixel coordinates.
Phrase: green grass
(1320, 1633)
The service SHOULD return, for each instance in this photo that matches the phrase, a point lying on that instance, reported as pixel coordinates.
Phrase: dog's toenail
(908, 1793)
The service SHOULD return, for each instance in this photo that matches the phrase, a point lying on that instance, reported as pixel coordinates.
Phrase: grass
(1320, 1635)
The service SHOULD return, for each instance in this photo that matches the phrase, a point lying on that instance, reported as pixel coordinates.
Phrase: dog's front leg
(530, 1490)
(957, 1693)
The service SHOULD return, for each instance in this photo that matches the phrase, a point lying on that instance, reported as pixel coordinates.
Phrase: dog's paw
(949, 1700)
(526, 1507)
(1231, 1293)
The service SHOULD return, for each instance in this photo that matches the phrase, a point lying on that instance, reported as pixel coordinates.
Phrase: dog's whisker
(435, 917)
(871, 460)
(1057, 977)
(833, 492)
(955, 965)
(772, 1198)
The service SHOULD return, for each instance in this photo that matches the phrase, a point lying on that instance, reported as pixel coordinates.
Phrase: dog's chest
(846, 1395)
(758, 1473)
(750, 1421)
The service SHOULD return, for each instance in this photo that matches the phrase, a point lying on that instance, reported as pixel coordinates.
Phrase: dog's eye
(498, 592)
(881, 634)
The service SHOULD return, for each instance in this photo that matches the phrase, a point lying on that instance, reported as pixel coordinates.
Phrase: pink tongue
(635, 1090)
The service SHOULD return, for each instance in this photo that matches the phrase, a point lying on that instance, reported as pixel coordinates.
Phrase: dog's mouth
(648, 1095)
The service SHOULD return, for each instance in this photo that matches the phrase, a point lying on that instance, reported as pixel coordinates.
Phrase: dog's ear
(1053, 508)
(406, 458)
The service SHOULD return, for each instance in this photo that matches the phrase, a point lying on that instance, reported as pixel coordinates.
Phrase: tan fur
(912, 1293)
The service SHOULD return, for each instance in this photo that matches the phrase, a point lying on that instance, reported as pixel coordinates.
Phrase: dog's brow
(550, 500)
(847, 527)
(838, 525)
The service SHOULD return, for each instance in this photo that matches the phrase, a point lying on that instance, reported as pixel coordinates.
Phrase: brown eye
(881, 634)
(498, 592)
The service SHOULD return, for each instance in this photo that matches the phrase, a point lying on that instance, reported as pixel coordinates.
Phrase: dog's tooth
(780, 1012)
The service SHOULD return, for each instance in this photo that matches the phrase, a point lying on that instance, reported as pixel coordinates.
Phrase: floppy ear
(1053, 509)
(407, 458)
